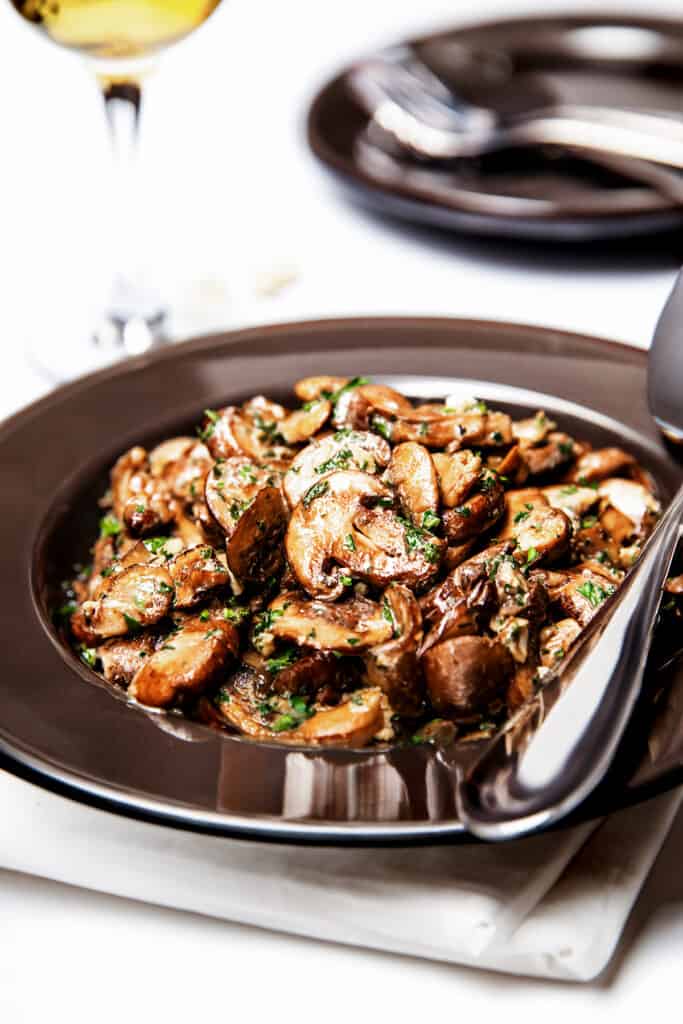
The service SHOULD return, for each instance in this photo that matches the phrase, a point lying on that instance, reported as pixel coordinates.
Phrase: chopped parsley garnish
(235, 614)
(205, 615)
(346, 581)
(88, 655)
(531, 555)
(211, 633)
(349, 542)
(65, 611)
(300, 706)
(223, 696)
(588, 521)
(155, 545)
(284, 722)
(463, 510)
(133, 624)
(520, 516)
(355, 382)
(382, 426)
(165, 588)
(109, 526)
(353, 641)
(316, 491)
(211, 414)
(388, 614)
(247, 473)
(338, 461)
(423, 429)
(265, 620)
(585, 482)
(488, 481)
(140, 509)
(430, 520)
(566, 448)
(288, 657)
(420, 540)
(497, 436)
(570, 489)
(595, 593)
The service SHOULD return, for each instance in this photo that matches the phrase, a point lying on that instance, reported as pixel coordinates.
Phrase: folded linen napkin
(551, 905)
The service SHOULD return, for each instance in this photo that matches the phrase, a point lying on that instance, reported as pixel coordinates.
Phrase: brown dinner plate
(512, 67)
(64, 728)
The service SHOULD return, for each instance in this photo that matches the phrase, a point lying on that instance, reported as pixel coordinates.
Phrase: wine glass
(120, 39)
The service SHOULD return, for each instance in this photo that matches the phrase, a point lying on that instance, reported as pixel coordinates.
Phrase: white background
(230, 193)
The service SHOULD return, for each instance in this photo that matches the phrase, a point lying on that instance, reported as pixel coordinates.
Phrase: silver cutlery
(516, 788)
(416, 112)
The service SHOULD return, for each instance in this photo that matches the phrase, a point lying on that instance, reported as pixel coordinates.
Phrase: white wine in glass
(120, 39)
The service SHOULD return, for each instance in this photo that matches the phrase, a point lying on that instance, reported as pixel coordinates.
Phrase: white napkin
(552, 905)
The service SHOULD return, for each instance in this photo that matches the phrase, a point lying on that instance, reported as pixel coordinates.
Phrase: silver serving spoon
(414, 110)
(518, 787)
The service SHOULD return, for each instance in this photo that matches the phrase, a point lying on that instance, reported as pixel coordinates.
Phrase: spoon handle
(509, 793)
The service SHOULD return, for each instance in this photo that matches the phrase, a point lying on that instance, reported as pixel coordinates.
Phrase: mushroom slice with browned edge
(555, 451)
(347, 626)
(600, 464)
(234, 431)
(351, 724)
(478, 512)
(195, 573)
(232, 485)
(127, 602)
(534, 429)
(542, 533)
(186, 663)
(571, 498)
(556, 639)
(309, 389)
(302, 424)
(413, 474)
(255, 548)
(345, 449)
(466, 673)
(633, 501)
(121, 657)
(333, 535)
(458, 475)
(583, 595)
(393, 666)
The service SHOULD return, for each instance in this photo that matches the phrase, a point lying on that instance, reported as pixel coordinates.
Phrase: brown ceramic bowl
(514, 66)
(64, 728)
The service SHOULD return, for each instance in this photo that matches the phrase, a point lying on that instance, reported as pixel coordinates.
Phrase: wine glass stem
(134, 319)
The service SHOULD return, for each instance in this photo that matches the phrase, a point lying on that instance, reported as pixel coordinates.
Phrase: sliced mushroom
(196, 572)
(511, 467)
(311, 388)
(534, 429)
(518, 504)
(121, 658)
(674, 585)
(140, 501)
(555, 451)
(348, 626)
(319, 675)
(255, 548)
(351, 724)
(466, 673)
(478, 513)
(299, 426)
(393, 666)
(583, 595)
(343, 450)
(556, 640)
(513, 633)
(455, 430)
(127, 465)
(331, 527)
(232, 485)
(601, 464)
(571, 498)
(232, 431)
(633, 501)
(168, 452)
(543, 534)
(127, 602)
(186, 663)
(458, 475)
(412, 473)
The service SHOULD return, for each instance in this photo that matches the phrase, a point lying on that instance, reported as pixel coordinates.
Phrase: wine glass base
(113, 340)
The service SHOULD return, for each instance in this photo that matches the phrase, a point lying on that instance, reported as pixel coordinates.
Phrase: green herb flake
(352, 641)
(595, 593)
(88, 655)
(430, 520)
(349, 542)
(133, 624)
(288, 657)
(110, 526)
(205, 615)
(284, 722)
(588, 521)
(316, 491)
(520, 516)
(531, 555)
(346, 581)
(382, 426)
